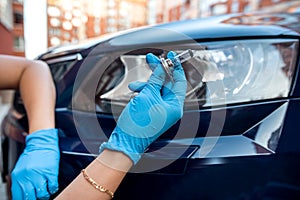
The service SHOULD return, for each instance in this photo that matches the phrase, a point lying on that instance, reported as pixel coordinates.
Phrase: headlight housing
(220, 73)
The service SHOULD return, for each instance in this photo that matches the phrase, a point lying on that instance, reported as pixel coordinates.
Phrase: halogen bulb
(180, 58)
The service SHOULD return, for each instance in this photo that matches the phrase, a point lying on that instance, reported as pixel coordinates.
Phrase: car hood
(231, 26)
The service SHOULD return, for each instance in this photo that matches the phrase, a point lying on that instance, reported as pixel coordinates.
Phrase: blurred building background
(70, 21)
(11, 27)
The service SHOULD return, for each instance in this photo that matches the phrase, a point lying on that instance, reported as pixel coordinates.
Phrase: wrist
(45, 138)
(132, 147)
(115, 159)
(134, 157)
(33, 128)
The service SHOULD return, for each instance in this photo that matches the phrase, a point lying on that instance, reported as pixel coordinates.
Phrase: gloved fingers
(16, 190)
(28, 191)
(136, 86)
(178, 72)
(157, 77)
(180, 83)
(52, 184)
(22, 191)
(166, 89)
(153, 61)
(41, 190)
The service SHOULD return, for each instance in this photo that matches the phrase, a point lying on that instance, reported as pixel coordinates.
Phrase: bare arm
(34, 80)
(108, 170)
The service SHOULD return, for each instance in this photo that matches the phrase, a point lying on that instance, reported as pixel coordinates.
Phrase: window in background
(18, 18)
(19, 44)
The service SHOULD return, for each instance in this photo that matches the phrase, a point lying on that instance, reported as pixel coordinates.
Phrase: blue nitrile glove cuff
(116, 141)
(46, 139)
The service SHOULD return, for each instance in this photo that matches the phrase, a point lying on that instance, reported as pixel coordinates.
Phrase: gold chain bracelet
(96, 185)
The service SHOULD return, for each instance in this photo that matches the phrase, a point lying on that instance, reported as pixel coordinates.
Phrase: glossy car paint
(239, 164)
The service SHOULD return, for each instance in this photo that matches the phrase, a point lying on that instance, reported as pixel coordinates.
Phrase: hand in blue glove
(157, 107)
(35, 175)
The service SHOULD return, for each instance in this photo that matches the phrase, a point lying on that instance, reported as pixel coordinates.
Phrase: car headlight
(220, 73)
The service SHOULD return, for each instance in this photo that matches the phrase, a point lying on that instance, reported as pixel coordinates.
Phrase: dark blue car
(239, 136)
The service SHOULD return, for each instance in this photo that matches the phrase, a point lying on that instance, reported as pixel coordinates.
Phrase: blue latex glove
(157, 107)
(35, 175)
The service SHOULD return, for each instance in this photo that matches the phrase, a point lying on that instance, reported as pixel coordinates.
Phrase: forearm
(38, 94)
(34, 80)
(108, 170)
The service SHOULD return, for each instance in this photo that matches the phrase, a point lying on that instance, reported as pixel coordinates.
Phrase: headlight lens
(242, 71)
(219, 73)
